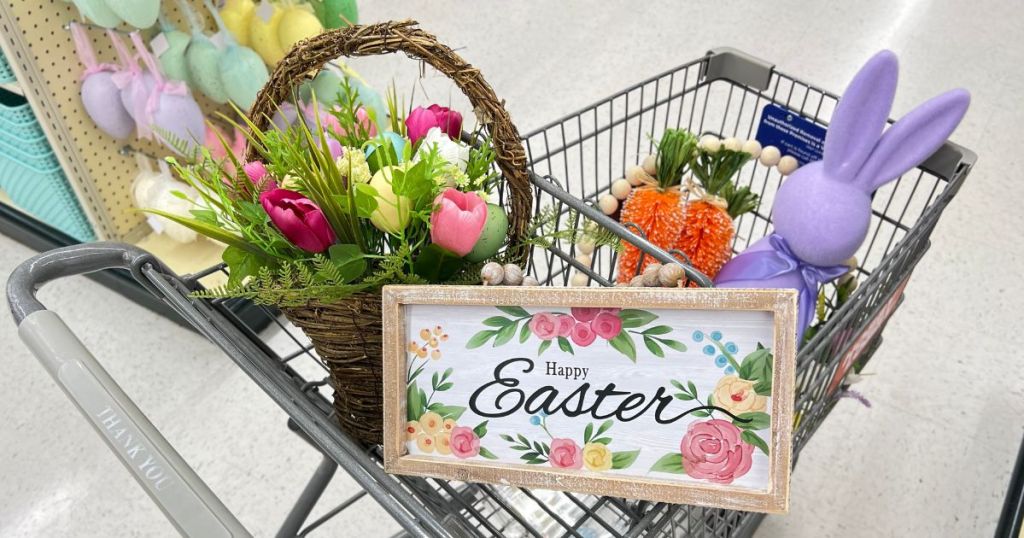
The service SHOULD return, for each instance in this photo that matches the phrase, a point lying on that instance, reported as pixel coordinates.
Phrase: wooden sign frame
(773, 497)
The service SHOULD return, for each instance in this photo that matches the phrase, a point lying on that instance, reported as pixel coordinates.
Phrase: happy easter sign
(679, 395)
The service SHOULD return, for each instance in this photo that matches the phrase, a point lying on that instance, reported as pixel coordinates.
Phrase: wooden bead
(650, 165)
(621, 189)
(770, 156)
(787, 165)
(608, 204)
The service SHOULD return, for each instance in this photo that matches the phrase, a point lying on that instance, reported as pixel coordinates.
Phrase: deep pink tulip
(421, 120)
(457, 221)
(300, 220)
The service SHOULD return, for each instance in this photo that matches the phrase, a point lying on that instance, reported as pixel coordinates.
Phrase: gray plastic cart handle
(172, 484)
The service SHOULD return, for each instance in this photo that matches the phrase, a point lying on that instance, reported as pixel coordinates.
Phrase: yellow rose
(425, 442)
(443, 443)
(597, 457)
(431, 422)
(737, 395)
(412, 429)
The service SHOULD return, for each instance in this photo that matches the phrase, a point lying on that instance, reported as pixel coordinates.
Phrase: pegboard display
(39, 47)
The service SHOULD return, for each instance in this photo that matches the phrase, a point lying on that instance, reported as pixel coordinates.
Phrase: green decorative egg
(138, 13)
(243, 73)
(493, 237)
(334, 13)
(172, 61)
(204, 69)
(326, 85)
(98, 12)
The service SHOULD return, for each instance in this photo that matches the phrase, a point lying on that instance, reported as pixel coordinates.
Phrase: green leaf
(755, 420)
(632, 319)
(505, 335)
(692, 387)
(506, 437)
(416, 373)
(701, 413)
(603, 440)
(752, 438)
(480, 339)
(683, 396)
(413, 405)
(208, 216)
(669, 463)
(564, 345)
(436, 264)
(447, 373)
(445, 386)
(524, 334)
(757, 367)
(384, 153)
(677, 385)
(366, 200)
(481, 429)
(653, 347)
(623, 343)
(487, 454)
(529, 456)
(351, 261)
(434, 380)
(516, 311)
(674, 344)
(605, 426)
(622, 460)
(214, 232)
(497, 321)
(658, 330)
(241, 264)
(523, 439)
(587, 432)
(544, 345)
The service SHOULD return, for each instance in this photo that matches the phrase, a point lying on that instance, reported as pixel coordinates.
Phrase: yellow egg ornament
(238, 15)
(392, 213)
(263, 30)
(297, 23)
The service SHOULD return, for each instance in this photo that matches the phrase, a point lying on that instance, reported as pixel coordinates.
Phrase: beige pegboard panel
(39, 48)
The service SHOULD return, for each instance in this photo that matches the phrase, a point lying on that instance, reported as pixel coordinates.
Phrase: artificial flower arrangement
(333, 207)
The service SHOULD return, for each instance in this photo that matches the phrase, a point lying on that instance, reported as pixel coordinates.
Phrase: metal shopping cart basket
(573, 160)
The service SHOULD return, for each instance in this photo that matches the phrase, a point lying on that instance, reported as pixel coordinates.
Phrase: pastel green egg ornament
(203, 59)
(98, 12)
(492, 237)
(242, 71)
(335, 13)
(138, 13)
(172, 58)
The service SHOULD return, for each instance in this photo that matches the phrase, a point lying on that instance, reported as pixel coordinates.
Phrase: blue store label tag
(792, 133)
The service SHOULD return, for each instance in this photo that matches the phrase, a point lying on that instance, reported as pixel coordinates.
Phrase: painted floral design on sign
(620, 328)
(433, 426)
(593, 453)
(720, 449)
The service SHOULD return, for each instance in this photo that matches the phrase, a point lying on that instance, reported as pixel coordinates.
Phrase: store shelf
(186, 258)
(12, 87)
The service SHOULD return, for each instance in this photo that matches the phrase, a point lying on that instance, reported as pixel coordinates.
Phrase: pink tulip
(329, 122)
(299, 219)
(457, 221)
(257, 173)
(421, 120)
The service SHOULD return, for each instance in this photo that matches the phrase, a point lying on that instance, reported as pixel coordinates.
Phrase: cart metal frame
(573, 161)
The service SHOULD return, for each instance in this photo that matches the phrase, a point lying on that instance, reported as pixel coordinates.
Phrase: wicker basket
(347, 334)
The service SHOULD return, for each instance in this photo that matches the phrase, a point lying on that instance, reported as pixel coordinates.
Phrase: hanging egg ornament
(710, 143)
(787, 165)
(297, 23)
(770, 156)
(608, 204)
(650, 165)
(621, 189)
(752, 148)
(237, 15)
(263, 33)
(492, 237)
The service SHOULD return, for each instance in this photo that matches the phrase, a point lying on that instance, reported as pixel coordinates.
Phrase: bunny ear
(860, 116)
(913, 139)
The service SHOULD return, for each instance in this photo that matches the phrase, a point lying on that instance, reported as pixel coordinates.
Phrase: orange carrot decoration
(708, 228)
(656, 205)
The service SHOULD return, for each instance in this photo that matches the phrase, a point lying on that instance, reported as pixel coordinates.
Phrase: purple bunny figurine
(823, 210)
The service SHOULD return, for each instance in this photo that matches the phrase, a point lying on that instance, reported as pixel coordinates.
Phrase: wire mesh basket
(574, 160)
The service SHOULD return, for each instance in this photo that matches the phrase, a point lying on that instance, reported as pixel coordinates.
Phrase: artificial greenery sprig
(675, 153)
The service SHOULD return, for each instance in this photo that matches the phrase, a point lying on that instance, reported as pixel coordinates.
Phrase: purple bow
(779, 260)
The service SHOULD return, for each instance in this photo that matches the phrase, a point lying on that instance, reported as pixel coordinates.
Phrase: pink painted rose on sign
(712, 450)
(607, 325)
(585, 314)
(583, 334)
(565, 454)
(464, 442)
(565, 325)
(544, 325)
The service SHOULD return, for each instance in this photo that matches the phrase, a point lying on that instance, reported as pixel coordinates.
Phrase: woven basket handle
(311, 55)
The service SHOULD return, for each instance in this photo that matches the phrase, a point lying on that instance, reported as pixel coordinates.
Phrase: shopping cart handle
(69, 261)
(179, 492)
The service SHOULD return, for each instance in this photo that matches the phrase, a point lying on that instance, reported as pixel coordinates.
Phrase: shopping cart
(573, 162)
